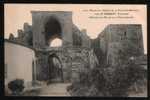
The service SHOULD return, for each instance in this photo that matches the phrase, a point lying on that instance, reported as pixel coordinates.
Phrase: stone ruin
(78, 52)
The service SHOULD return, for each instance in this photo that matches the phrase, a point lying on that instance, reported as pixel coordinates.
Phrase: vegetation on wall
(102, 81)
(108, 80)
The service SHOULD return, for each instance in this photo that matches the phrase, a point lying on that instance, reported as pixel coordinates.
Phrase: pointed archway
(55, 68)
(52, 30)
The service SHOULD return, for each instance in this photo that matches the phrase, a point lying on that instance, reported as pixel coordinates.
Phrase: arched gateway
(55, 68)
(47, 26)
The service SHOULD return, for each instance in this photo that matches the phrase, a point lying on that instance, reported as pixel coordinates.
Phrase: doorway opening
(55, 69)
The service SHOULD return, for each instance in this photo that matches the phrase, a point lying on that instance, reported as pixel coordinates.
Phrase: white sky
(56, 43)
(17, 14)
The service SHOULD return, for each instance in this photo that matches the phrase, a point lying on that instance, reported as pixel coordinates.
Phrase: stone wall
(74, 60)
(118, 38)
(80, 38)
(75, 53)
(24, 35)
(79, 51)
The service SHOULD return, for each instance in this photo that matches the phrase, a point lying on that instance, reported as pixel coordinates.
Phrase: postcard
(97, 50)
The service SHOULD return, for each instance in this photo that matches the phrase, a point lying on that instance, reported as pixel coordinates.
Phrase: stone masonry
(78, 52)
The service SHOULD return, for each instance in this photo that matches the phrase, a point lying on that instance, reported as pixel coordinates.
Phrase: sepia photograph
(91, 50)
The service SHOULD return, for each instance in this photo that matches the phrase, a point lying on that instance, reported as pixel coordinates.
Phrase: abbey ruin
(78, 52)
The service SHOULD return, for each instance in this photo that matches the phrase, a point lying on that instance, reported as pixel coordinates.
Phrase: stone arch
(52, 29)
(40, 18)
(52, 68)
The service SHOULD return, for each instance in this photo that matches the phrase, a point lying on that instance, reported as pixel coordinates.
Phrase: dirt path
(55, 89)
